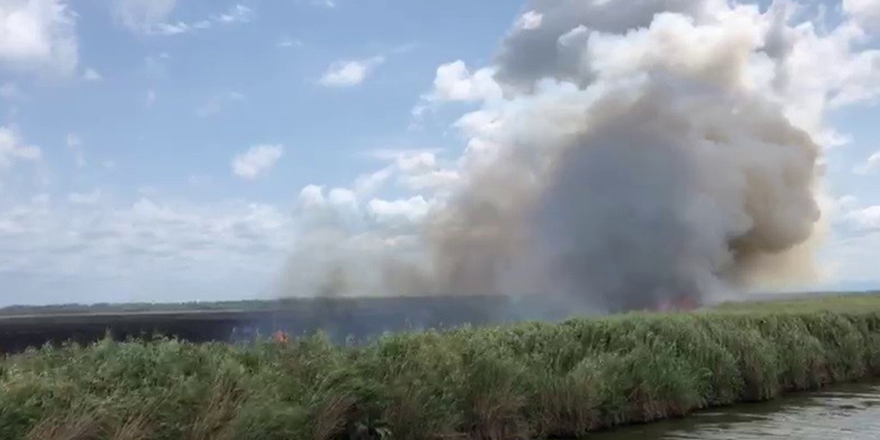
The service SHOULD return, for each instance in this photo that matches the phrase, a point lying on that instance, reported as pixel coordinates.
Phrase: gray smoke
(664, 196)
(644, 151)
(665, 175)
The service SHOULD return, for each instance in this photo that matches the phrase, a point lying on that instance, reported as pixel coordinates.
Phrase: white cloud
(312, 196)
(13, 149)
(864, 12)
(92, 75)
(88, 199)
(350, 73)
(870, 165)
(223, 249)
(256, 161)
(867, 218)
(369, 183)
(413, 170)
(170, 28)
(399, 212)
(236, 14)
(342, 197)
(455, 83)
(217, 103)
(152, 17)
(858, 79)
(38, 35)
(530, 20)
(143, 15)
(108, 164)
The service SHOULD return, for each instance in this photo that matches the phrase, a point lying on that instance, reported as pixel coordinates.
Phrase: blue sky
(163, 150)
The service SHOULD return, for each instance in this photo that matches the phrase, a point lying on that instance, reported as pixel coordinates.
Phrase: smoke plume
(642, 152)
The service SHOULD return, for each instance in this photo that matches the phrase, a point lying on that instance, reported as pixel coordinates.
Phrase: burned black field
(340, 319)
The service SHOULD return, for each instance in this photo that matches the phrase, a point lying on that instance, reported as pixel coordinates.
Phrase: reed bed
(521, 381)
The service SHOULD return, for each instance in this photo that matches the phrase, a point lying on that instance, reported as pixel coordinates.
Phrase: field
(528, 380)
(341, 319)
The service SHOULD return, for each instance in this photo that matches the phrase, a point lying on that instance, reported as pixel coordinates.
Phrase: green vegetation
(532, 380)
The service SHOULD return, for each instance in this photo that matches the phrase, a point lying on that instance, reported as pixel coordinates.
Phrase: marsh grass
(529, 380)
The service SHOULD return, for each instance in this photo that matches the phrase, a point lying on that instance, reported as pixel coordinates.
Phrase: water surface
(847, 412)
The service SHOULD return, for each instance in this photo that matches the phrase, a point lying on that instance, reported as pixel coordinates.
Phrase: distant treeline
(520, 381)
(142, 307)
(242, 305)
(273, 304)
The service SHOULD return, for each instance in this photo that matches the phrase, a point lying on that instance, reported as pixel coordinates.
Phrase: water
(848, 412)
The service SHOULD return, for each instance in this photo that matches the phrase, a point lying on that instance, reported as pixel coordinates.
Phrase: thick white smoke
(642, 151)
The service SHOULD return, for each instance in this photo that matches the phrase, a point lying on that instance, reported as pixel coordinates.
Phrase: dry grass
(331, 416)
(76, 426)
(213, 421)
(133, 428)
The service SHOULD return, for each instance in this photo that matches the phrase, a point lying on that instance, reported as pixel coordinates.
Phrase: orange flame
(281, 337)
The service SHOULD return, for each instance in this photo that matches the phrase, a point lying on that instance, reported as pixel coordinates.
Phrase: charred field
(339, 319)
(514, 380)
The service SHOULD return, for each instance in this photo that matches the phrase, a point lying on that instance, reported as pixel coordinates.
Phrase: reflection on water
(849, 412)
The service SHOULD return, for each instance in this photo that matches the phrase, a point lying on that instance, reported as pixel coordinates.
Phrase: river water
(847, 412)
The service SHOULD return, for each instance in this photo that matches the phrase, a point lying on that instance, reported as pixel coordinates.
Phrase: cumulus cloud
(864, 12)
(257, 161)
(401, 211)
(866, 218)
(416, 170)
(349, 73)
(852, 217)
(38, 35)
(530, 20)
(14, 149)
(871, 164)
(455, 83)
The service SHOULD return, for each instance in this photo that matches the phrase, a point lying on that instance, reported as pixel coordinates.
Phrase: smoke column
(641, 151)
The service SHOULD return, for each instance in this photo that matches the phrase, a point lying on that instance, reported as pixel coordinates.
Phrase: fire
(281, 337)
(681, 303)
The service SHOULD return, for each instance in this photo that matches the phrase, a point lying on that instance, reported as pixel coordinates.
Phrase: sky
(184, 150)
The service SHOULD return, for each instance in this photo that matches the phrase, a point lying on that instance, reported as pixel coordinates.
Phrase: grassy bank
(521, 381)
